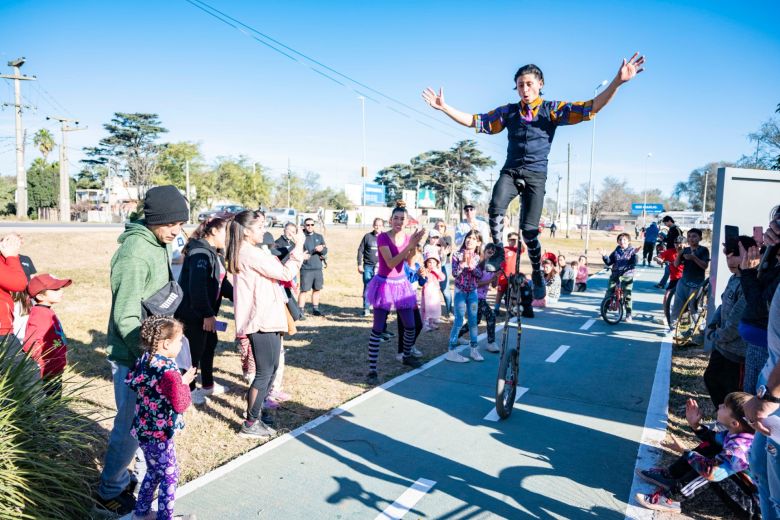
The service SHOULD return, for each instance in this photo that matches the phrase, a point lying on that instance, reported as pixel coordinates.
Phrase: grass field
(326, 359)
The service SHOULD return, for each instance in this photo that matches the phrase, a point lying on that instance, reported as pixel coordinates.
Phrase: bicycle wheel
(700, 318)
(612, 310)
(684, 329)
(506, 383)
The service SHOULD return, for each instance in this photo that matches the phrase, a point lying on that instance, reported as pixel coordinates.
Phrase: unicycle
(509, 356)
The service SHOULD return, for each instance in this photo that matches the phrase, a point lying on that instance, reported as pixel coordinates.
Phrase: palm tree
(44, 141)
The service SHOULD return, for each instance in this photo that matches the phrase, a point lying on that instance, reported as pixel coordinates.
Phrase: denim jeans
(122, 447)
(665, 277)
(466, 307)
(445, 288)
(765, 469)
(681, 294)
(368, 274)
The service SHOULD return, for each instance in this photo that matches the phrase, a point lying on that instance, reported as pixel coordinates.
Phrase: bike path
(567, 451)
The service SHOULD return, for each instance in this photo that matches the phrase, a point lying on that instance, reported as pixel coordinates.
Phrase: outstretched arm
(628, 71)
(436, 101)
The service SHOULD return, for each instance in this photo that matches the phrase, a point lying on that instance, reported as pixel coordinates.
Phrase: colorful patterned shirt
(161, 398)
(466, 275)
(732, 459)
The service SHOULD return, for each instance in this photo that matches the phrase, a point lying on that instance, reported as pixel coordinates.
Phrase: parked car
(281, 216)
(616, 227)
(221, 211)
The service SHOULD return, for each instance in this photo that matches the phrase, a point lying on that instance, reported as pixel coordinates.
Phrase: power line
(243, 28)
(54, 103)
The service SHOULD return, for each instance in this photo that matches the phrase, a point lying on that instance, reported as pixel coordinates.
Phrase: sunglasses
(308, 225)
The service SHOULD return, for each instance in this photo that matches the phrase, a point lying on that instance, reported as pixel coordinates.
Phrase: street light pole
(64, 200)
(363, 167)
(590, 174)
(644, 203)
(704, 199)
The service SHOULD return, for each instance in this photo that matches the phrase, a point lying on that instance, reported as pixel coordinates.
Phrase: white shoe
(492, 347)
(475, 355)
(198, 398)
(455, 357)
(217, 389)
(428, 328)
(416, 352)
(249, 377)
(629, 318)
(464, 341)
(399, 357)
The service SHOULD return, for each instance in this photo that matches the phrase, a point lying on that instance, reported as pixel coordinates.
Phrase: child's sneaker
(475, 355)
(372, 377)
(658, 476)
(279, 396)
(399, 357)
(455, 357)
(629, 319)
(416, 352)
(492, 347)
(412, 361)
(198, 398)
(257, 430)
(658, 501)
(216, 389)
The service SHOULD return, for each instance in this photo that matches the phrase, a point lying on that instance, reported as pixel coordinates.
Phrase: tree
(7, 195)
(172, 163)
(45, 142)
(43, 185)
(238, 181)
(693, 188)
(767, 140)
(132, 141)
(395, 179)
(92, 176)
(297, 192)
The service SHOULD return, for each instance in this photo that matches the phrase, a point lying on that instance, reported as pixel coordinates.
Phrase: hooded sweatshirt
(725, 337)
(139, 268)
(12, 278)
(203, 282)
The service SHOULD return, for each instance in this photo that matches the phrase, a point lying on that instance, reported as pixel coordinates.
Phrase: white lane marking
(588, 324)
(407, 500)
(555, 356)
(493, 415)
(654, 430)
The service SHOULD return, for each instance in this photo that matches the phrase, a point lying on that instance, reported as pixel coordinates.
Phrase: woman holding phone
(204, 284)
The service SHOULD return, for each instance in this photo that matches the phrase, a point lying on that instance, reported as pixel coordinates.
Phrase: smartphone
(221, 326)
(732, 239)
(758, 235)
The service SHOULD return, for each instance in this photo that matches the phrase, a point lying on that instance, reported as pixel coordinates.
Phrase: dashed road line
(493, 415)
(555, 356)
(588, 324)
(407, 500)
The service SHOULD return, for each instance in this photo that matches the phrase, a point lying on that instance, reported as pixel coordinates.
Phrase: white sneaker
(217, 389)
(492, 347)
(629, 319)
(455, 357)
(198, 398)
(464, 341)
(399, 357)
(475, 355)
(428, 328)
(416, 352)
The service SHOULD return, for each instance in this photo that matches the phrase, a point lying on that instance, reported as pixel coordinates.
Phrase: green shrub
(46, 461)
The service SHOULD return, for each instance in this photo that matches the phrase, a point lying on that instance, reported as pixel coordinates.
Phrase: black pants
(266, 347)
(202, 346)
(647, 252)
(509, 185)
(722, 377)
(418, 325)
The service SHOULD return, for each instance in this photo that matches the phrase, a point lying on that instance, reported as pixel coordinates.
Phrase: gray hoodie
(725, 337)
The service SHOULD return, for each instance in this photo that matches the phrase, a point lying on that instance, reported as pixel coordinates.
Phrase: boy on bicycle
(623, 262)
(530, 125)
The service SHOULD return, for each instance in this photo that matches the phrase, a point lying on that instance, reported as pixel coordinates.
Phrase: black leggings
(266, 347)
(202, 346)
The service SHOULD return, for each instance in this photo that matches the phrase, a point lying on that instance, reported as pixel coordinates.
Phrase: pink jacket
(258, 299)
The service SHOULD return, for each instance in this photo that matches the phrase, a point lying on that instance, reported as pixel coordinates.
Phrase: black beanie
(165, 205)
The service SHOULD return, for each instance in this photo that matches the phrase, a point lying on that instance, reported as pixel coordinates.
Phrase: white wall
(744, 198)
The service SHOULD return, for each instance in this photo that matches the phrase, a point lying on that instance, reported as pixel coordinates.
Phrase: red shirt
(669, 255)
(508, 265)
(12, 278)
(45, 341)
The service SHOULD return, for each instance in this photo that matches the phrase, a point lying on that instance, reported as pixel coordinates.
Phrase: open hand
(692, 413)
(629, 69)
(750, 258)
(189, 376)
(10, 245)
(433, 99)
(772, 233)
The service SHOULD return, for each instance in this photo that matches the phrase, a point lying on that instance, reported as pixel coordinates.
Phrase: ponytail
(206, 228)
(236, 237)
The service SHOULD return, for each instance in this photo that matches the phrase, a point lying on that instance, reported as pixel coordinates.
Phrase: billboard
(426, 198)
(374, 195)
(649, 208)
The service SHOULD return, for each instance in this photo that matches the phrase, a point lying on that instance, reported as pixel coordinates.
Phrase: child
(163, 395)
(568, 275)
(582, 274)
(694, 260)
(483, 309)
(552, 282)
(467, 274)
(416, 275)
(44, 338)
(623, 262)
(431, 293)
(719, 456)
(507, 268)
(530, 124)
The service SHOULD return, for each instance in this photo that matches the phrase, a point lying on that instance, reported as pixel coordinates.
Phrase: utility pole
(21, 175)
(557, 199)
(187, 184)
(289, 173)
(64, 176)
(568, 184)
(363, 166)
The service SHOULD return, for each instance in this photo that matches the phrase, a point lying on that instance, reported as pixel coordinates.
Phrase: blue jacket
(622, 261)
(651, 233)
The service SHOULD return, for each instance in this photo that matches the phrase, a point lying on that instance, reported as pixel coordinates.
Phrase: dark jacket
(285, 246)
(671, 236)
(622, 261)
(367, 250)
(200, 283)
(315, 259)
(758, 297)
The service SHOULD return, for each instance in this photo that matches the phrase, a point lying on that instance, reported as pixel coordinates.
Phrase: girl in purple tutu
(391, 290)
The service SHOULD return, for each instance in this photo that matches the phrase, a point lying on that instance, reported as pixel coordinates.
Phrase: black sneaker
(540, 287)
(122, 504)
(257, 430)
(372, 377)
(303, 316)
(267, 418)
(316, 312)
(412, 361)
(658, 476)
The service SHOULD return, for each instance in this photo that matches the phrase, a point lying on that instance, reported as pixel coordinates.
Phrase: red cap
(46, 282)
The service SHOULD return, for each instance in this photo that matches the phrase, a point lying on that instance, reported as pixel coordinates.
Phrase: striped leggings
(380, 322)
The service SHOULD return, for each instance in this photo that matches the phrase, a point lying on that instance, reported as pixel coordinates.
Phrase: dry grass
(326, 360)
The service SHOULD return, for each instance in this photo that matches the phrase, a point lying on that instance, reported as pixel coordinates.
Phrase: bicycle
(613, 307)
(509, 356)
(693, 316)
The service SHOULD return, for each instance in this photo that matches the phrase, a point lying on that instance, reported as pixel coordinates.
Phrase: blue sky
(711, 78)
